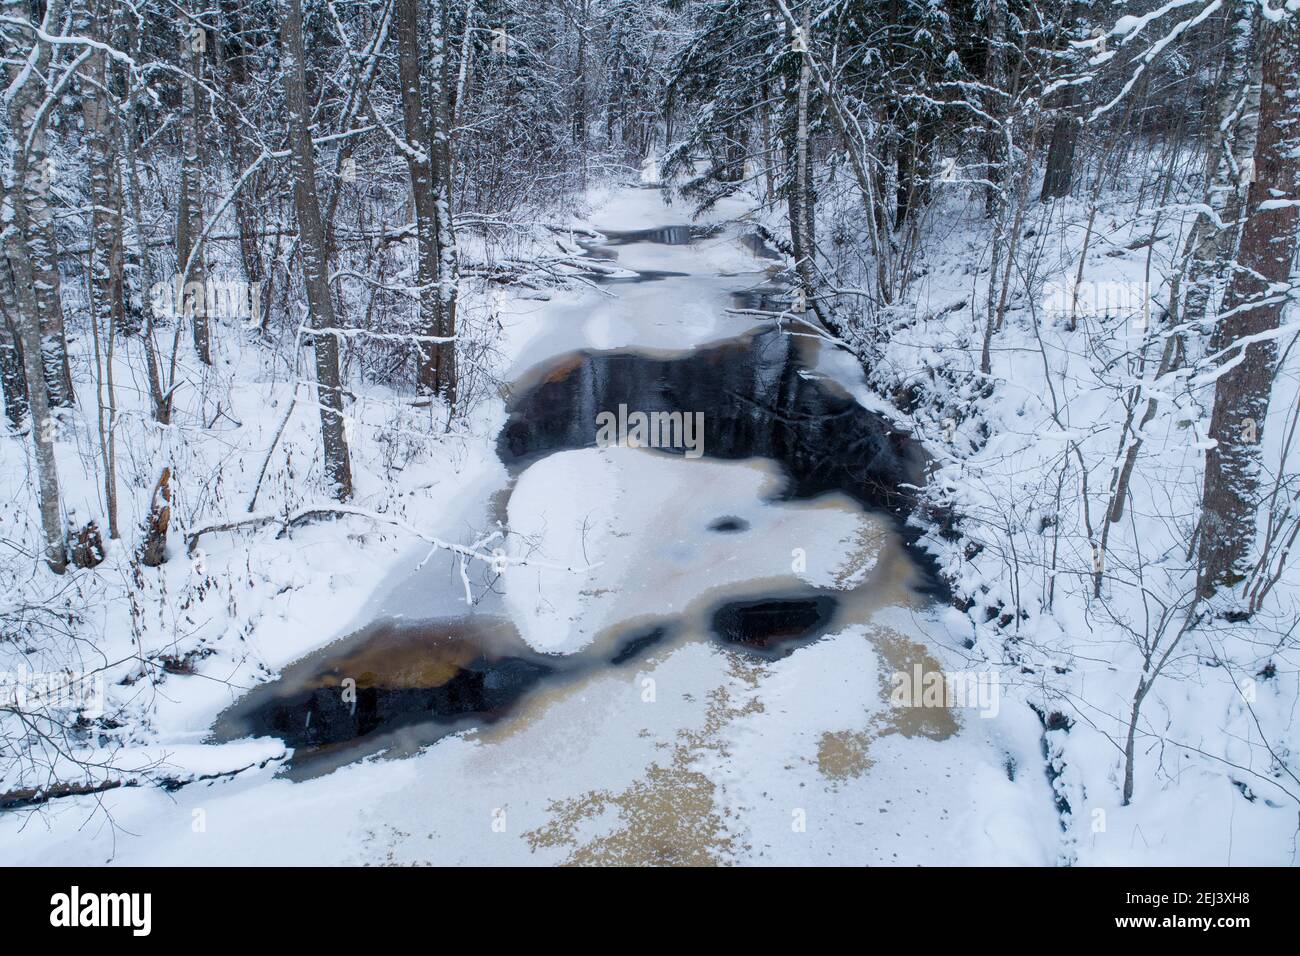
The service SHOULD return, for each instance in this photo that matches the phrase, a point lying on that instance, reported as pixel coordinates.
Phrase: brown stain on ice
(845, 754)
(901, 653)
(670, 816)
(870, 547)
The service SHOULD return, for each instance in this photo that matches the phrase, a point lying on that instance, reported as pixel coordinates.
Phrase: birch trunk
(27, 322)
(34, 175)
(1252, 307)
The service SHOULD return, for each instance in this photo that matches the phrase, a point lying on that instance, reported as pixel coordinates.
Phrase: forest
(670, 431)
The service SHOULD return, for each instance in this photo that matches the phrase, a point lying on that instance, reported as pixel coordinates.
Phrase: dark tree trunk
(447, 275)
(419, 163)
(12, 378)
(315, 265)
(995, 78)
(1058, 177)
(1253, 306)
(189, 208)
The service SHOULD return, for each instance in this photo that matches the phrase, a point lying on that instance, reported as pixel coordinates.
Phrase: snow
(633, 575)
(696, 752)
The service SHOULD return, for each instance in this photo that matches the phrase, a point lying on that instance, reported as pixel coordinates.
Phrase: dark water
(757, 398)
(662, 235)
(397, 686)
(767, 625)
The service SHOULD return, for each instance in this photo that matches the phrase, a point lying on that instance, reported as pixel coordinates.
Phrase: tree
(27, 321)
(427, 151)
(1058, 171)
(190, 264)
(1251, 310)
(33, 176)
(315, 264)
(107, 285)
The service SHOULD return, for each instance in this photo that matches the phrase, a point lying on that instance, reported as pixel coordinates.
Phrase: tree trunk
(1252, 306)
(315, 267)
(579, 107)
(106, 275)
(1130, 739)
(447, 273)
(419, 163)
(12, 378)
(995, 78)
(189, 208)
(801, 203)
(232, 72)
(1209, 245)
(1058, 176)
(34, 176)
(27, 321)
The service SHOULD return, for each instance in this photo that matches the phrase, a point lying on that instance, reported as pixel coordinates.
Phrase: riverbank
(693, 753)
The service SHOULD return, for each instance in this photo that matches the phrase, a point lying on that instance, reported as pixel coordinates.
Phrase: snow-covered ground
(697, 753)
(1027, 455)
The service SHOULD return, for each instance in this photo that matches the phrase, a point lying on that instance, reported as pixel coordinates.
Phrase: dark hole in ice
(634, 646)
(663, 235)
(322, 715)
(642, 275)
(387, 677)
(729, 524)
(769, 297)
(756, 403)
(767, 625)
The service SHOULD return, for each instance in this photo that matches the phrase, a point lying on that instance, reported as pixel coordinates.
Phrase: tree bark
(12, 378)
(447, 275)
(1058, 176)
(34, 175)
(1058, 173)
(27, 322)
(1231, 145)
(107, 310)
(995, 78)
(189, 208)
(424, 193)
(801, 204)
(1253, 306)
(315, 266)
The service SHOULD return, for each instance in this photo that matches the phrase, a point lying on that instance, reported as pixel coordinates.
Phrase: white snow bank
(640, 521)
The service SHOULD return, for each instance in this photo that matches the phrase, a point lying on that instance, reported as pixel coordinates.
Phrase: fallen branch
(309, 515)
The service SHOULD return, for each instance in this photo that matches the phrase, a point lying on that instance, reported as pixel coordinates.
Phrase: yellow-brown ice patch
(669, 817)
(843, 754)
